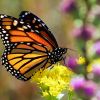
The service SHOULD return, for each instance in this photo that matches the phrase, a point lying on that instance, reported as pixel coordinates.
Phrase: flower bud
(78, 83)
(72, 63)
(67, 5)
(84, 33)
(75, 64)
(89, 88)
(84, 88)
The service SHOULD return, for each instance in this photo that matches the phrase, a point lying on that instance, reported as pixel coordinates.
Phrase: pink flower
(84, 88)
(84, 33)
(78, 83)
(67, 5)
(72, 63)
(89, 88)
(75, 64)
(96, 46)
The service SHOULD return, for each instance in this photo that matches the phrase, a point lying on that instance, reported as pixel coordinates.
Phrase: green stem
(85, 42)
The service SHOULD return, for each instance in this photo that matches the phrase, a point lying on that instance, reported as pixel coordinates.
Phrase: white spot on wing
(39, 20)
(2, 16)
(37, 31)
(34, 18)
(4, 31)
(6, 37)
(26, 13)
(15, 22)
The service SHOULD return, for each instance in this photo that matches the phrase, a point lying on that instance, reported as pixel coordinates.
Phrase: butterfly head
(57, 55)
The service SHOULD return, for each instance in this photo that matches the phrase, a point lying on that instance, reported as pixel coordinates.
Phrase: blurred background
(58, 22)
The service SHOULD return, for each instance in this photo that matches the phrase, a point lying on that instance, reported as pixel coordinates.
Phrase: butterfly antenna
(72, 50)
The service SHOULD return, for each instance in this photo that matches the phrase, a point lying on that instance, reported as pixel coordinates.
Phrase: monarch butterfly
(29, 45)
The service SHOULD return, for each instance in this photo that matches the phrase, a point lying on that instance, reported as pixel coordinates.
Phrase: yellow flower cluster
(53, 81)
(81, 60)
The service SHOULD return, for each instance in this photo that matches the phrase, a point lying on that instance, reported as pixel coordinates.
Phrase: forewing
(39, 26)
(16, 31)
(11, 27)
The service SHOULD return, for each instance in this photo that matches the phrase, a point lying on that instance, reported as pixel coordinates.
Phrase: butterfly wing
(15, 31)
(6, 23)
(38, 25)
(26, 50)
(22, 60)
(11, 28)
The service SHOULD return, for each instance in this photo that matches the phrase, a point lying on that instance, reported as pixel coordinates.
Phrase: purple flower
(89, 88)
(96, 46)
(78, 83)
(67, 5)
(84, 33)
(76, 32)
(84, 88)
(72, 63)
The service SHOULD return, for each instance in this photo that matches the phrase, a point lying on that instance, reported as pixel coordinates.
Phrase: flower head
(72, 62)
(77, 83)
(90, 88)
(53, 81)
(94, 70)
(81, 60)
(75, 64)
(95, 63)
(67, 5)
(84, 88)
(84, 33)
(96, 47)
